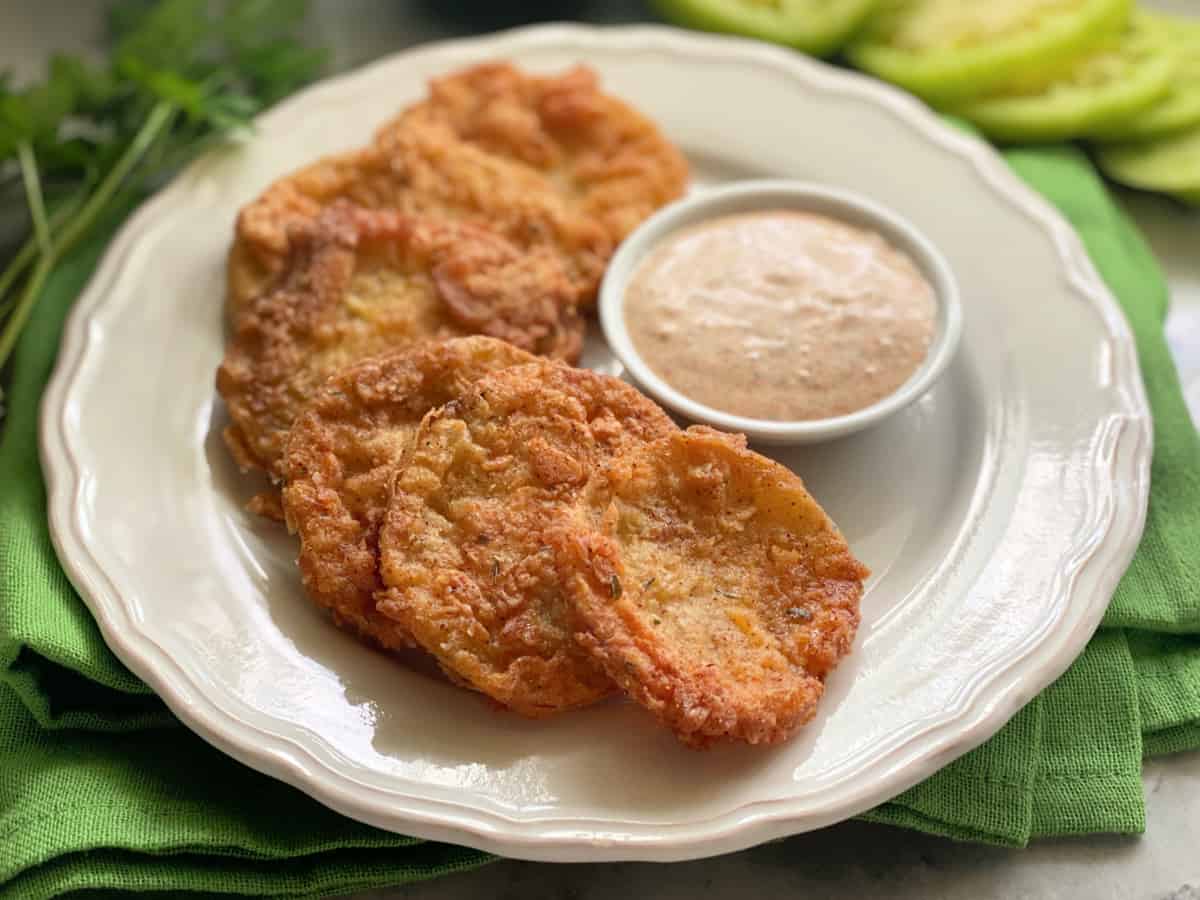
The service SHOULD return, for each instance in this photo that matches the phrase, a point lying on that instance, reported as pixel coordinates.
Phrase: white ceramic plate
(997, 513)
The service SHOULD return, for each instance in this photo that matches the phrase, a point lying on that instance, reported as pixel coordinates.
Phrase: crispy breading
(361, 282)
(463, 546)
(710, 587)
(425, 171)
(614, 163)
(342, 453)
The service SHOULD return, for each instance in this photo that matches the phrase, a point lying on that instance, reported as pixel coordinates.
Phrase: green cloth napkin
(100, 787)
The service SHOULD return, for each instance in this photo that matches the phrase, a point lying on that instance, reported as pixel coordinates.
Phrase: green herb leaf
(277, 68)
(91, 87)
(249, 23)
(167, 36)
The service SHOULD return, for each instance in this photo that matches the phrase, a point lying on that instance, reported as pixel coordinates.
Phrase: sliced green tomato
(815, 26)
(948, 51)
(1179, 109)
(1116, 80)
(1170, 164)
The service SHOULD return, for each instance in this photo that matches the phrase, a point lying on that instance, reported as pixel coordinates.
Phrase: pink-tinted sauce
(780, 315)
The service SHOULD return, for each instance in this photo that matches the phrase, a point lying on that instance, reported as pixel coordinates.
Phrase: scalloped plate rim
(579, 840)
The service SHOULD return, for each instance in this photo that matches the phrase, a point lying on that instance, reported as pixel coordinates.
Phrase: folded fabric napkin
(101, 788)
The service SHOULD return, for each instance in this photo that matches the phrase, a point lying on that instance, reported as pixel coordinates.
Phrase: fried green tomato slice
(427, 172)
(342, 453)
(819, 27)
(1170, 164)
(1179, 108)
(948, 51)
(711, 587)
(611, 163)
(363, 282)
(464, 547)
(1115, 81)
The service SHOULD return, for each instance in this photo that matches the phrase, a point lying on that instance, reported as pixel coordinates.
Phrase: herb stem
(28, 252)
(160, 118)
(33, 194)
(21, 259)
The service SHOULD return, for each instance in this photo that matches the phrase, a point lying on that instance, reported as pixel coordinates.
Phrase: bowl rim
(767, 194)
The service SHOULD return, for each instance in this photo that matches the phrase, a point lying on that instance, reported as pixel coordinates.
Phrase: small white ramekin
(749, 196)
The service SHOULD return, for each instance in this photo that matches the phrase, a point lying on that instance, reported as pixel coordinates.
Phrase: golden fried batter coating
(342, 453)
(424, 171)
(711, 587)
(359, 283)
(463, 546)
(614, 163)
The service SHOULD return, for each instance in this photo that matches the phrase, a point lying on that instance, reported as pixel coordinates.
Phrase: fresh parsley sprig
(180, 75)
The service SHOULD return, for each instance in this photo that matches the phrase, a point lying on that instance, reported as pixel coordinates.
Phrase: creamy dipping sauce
(780, 315)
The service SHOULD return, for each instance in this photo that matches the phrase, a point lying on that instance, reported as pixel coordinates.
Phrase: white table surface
(852, 860)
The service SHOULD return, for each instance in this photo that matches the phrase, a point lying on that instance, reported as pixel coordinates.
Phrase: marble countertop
(852, 860)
